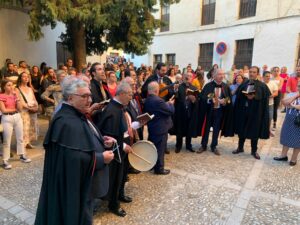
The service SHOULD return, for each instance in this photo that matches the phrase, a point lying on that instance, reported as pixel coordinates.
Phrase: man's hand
(250, 96)
(172, 100)
(222, 101)
(109, 141)
(192, 98)
(295, 106)
(96, 106)
(128, 149)
(108, 156)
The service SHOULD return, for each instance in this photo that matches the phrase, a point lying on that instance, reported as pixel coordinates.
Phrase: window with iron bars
(208, 12)
(156, 59)
(247, 8)
(171, 59)
(243, 53)
(165, 18)
(206, 56)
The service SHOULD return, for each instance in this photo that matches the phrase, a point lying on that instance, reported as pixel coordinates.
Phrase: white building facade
(256, 32)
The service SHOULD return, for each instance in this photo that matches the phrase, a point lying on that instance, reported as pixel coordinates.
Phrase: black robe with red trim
(205, 109)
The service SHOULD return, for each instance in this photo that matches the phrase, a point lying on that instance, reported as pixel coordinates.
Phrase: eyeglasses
(86, 96)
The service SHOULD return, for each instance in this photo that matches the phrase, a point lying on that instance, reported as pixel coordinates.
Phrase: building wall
(14, 42)
(275, 30)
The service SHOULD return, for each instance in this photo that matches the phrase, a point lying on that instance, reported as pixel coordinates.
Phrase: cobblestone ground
(201, 189)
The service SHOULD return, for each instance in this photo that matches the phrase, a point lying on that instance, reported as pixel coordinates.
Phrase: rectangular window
(208, 12)
(157, 59)
(165, 18)
(206, 56)
(171, 59)
(243, 53)
(247, 8)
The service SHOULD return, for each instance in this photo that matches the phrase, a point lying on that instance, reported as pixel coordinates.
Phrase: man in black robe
(215, 111)
(98, 85)
(251, 112)
(186, 114)
(113, 121)
(75, 170)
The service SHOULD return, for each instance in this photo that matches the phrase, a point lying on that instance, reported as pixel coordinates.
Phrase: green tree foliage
(129, 24)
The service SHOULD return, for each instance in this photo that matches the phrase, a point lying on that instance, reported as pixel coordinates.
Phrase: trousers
(10, 123)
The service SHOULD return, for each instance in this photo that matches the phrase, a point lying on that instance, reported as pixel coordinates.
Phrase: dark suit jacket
(96, 92)
(166, 80)
(162, 111)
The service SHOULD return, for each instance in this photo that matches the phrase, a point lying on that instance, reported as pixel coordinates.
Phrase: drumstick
(140, 157)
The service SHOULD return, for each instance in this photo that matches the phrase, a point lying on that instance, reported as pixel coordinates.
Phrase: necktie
(103, 91)
(217, 94)
(159, 80)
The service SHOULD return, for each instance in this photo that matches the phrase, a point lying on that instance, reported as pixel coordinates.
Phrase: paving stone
(24, 215)
(16, 209)
(30, 220)
(267, 211)
(201, 189)
(5, 203)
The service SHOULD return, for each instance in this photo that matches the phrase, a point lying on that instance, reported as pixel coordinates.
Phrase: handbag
(25, 100)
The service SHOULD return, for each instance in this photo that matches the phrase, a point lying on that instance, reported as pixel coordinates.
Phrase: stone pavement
(201, 189)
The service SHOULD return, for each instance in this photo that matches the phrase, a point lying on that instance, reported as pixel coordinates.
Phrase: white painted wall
(275, 30)
(14, 42)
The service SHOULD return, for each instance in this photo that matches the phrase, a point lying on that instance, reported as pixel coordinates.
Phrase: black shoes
(215, 151)
(162, 172)
(119, 212)
(190, 149)
(256, 155)
(238, 151)
(133, 171)
(202, 149)
(167, 151)
(293, 163)
(281, 158)
(125, 199)
(177, 149)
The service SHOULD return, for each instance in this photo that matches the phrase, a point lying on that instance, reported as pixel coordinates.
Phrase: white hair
(153, 87)
(123, 87)
(70, 85)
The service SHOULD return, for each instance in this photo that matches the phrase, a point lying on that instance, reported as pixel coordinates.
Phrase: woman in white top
(29, 111)
(274, 93)
(279, 82)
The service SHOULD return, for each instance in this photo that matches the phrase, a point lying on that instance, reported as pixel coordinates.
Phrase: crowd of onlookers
(36, 89)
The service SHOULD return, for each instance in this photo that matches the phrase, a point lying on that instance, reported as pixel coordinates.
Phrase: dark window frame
(247, 8)
(165, 18)
(155, 61)
(171, 59)
(208, 12)
(206, 54)
(244, 53)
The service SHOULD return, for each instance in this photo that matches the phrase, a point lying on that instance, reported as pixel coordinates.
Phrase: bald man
(159, 126)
